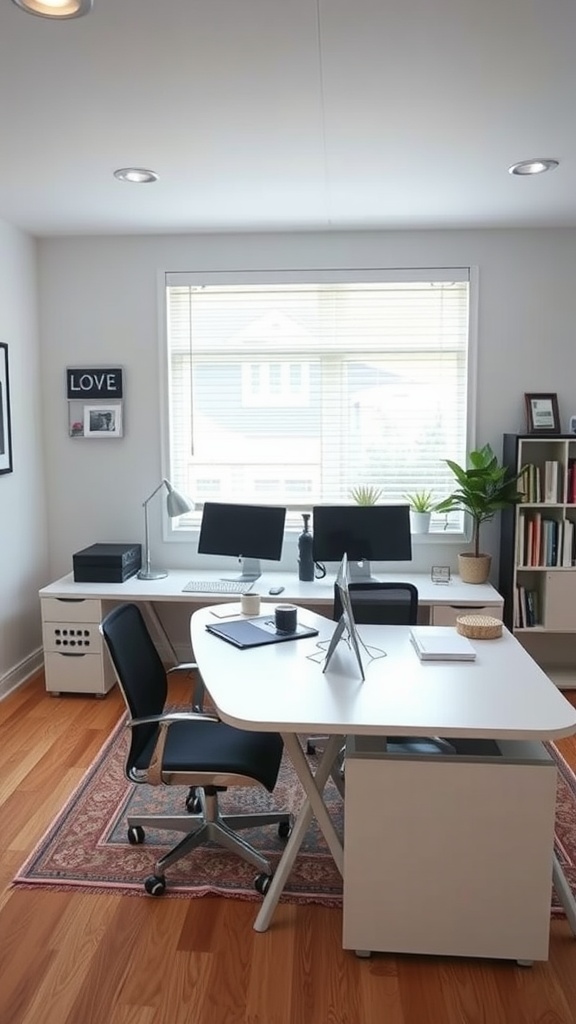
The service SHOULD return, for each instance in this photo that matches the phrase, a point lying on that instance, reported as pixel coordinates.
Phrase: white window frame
(186, 528)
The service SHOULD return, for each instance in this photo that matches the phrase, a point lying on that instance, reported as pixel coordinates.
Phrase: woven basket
(479, 627)
(474, 568)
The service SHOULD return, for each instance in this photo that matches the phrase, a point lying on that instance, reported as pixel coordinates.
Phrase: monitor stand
(359, 572)
(251, 570)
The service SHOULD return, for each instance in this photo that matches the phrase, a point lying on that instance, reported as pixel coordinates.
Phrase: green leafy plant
(484, 488)
(365, 495)
(420, 501)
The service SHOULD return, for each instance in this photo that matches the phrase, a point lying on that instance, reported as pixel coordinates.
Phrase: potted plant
(484, 488)
(422, 505)
(365, 495)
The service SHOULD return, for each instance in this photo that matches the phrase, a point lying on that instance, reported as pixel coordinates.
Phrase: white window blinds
(295, 392)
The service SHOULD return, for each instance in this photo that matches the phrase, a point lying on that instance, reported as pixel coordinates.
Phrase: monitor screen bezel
(346, 623)
(261, 543)
(387, 533)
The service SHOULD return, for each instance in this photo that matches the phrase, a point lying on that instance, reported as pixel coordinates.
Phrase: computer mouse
(276, 590)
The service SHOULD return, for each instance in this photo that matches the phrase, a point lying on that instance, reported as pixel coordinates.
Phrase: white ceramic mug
(250, 604)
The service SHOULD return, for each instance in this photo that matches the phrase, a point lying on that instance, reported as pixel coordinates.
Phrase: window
(294, 391)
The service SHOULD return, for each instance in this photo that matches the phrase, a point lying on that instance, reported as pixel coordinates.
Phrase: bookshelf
(538, 552)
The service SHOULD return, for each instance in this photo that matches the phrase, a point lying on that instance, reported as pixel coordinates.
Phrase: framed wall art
(5, 423)
(103, 420)
(542, 416)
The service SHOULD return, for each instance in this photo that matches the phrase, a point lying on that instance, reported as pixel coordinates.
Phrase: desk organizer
(479, 627)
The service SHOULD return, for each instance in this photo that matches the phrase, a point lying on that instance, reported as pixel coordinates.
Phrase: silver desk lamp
(176, 505)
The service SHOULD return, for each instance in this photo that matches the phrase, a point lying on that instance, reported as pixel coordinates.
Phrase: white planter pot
(420, 521)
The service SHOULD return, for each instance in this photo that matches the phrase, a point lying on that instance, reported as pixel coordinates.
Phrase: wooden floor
(81, 959)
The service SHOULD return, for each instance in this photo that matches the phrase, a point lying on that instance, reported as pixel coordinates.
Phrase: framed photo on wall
(103, 420)
(5, 423)
(542, 416)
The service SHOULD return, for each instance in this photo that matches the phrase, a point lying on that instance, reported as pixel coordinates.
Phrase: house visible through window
(293, 392)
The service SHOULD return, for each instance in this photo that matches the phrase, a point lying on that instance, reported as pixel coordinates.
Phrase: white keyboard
(217, 587)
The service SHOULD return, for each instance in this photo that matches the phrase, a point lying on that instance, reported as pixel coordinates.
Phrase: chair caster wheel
(155, 885)
(193, 802)
(310, 748)
(284, 829)
(262, 883)
(136, 835)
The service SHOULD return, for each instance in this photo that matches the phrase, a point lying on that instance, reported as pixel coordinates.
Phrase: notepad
(441, 643)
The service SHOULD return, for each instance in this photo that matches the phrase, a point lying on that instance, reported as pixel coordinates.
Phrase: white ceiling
(265, 115)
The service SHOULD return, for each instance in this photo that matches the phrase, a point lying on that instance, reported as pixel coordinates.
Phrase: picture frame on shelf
(103, 421)
(5, 420)
(542, 415)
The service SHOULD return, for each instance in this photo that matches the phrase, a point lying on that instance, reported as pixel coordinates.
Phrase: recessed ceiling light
(55, 8)
(137, 175)
(537, 166)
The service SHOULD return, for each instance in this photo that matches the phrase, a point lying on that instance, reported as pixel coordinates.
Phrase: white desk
(503, 695)
(74, 658)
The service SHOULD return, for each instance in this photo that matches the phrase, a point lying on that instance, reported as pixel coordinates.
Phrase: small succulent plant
(365, 495)
(420, 501)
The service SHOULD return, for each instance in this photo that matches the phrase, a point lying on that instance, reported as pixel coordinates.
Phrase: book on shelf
(552, 477)
(520, 617)
(527, 607)
(571, 482)
(527, 483)
(567, 543)
(535, 553)
(520, 540)
(549, 548)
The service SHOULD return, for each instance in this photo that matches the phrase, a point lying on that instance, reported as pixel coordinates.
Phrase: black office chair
(381, 603)
(187, 748)
(386, 604)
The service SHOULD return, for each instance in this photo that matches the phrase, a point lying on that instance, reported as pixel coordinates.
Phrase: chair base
(211, 826)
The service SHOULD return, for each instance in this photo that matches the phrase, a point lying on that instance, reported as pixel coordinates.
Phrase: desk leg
(313, 786)
(564, 894)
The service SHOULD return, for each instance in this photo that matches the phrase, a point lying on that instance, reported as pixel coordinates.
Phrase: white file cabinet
(74, 657)
(449, 855)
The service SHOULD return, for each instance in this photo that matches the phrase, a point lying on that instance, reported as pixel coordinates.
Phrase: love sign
(98, 382)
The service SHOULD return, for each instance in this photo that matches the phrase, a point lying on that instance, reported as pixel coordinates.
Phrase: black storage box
(107, 563)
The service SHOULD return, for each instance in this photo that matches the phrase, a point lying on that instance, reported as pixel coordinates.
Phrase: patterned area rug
(86, 848)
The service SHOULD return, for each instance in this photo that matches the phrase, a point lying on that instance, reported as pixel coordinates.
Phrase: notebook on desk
(441, 643)
(245, 633)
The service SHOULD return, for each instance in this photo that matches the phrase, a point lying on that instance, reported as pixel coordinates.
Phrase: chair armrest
(173, 716)
(154, 773)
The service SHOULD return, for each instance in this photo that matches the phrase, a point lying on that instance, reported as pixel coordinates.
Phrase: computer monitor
(248, 532)
(365, 533)
(346, 626)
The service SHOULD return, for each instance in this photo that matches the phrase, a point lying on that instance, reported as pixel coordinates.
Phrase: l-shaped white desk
(74, 659)
(450, 855)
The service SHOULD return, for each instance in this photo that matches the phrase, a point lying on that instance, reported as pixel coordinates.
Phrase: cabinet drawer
(72, 637)
(57, 609)
(77, 673)
(446, 614)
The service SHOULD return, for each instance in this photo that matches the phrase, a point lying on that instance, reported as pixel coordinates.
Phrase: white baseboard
(21, 673)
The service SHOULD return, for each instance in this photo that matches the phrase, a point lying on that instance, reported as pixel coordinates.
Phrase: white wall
(23, 536)
(98, 305)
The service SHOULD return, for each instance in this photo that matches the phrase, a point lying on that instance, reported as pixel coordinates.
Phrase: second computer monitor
(365, 533)
(247, 532)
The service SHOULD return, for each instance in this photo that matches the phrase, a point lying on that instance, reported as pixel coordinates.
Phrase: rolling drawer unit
(74, 658)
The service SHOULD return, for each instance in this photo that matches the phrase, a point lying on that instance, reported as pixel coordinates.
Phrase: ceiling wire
(323, 114)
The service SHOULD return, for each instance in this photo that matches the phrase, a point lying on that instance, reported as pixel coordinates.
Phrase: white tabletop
(502, 694)
(321, 592)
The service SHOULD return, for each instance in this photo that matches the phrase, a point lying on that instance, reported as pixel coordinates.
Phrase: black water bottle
(305, 559)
